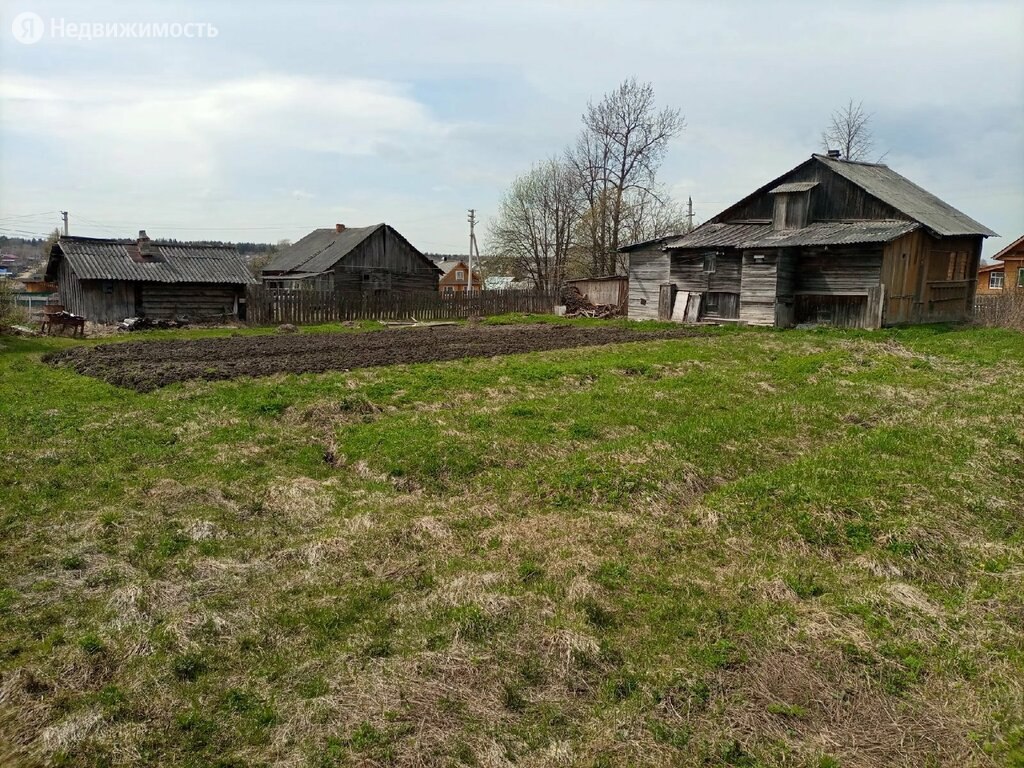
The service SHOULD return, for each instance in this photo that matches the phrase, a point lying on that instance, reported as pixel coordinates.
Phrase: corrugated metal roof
(320, 250)
(715, 235)
(833, 233)
(759, 235)
(905, 196)
(793, 186)
(96, 259)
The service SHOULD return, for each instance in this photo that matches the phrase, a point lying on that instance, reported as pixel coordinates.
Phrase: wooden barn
(375, 259)
(831, 241)
(106, 281)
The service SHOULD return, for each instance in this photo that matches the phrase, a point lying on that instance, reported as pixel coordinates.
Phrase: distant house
(830, 241)
(455, 277)
(1007, 274)
(108, 280)
(374, 259)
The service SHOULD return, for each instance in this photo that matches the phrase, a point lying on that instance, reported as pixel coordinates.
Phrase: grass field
(746, 548)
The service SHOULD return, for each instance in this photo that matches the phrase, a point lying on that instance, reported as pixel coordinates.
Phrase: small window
(709, 263)
(108, 286)
(995, 280)
(1020, 277)
(448, 289)
(460, 274)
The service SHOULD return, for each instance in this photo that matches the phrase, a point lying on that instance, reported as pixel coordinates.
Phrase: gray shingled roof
(319, 251)
(720, 235)
(98, 259)
(901, 193)
(793, 186)
(834, 233)
(820, 233)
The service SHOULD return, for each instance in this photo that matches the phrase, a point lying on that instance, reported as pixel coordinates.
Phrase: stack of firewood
(577, 305)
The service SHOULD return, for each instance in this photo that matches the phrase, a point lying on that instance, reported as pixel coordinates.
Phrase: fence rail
(267, 305)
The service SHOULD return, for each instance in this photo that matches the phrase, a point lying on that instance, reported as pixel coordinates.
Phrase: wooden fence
(267, 305)
(1000, 310)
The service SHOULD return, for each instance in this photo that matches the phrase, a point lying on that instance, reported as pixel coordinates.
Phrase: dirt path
(148, 365)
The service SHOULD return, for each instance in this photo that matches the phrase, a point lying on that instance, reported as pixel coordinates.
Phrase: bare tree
(616, 159)
(850, 132)
(536, 223)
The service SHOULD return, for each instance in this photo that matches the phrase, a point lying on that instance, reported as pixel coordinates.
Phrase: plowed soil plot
(148, 365)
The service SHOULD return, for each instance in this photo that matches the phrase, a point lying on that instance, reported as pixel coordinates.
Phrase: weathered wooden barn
(106, 281)
(831, 241)
(375, 259)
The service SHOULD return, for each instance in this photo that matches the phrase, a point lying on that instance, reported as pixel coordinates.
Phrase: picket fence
(269, 305)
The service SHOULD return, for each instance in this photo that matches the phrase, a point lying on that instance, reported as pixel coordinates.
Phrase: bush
(10, 312)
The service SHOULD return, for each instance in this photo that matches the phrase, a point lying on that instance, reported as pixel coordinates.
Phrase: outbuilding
(106, 281)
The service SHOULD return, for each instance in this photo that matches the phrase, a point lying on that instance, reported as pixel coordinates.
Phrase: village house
(455, 277)
(831, 241)
(374, 260)
(106, 281)
(1007, 274)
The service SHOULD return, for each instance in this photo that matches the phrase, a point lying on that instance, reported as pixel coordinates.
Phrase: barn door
(666, 298)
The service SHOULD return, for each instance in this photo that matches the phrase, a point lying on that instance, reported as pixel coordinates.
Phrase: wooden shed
(613, 289)
(374, 259)
(106, 281)
(831, 241)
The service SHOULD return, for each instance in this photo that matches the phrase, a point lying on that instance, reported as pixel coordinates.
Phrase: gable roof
(104, 259)
(1008, 250)
(321, 249)
(901, 193)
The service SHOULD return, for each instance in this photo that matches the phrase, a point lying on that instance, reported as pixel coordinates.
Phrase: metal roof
(715, 235)
(1010, 249)
(793, 186)
(833, 233)
(98, 259)
(905, 196)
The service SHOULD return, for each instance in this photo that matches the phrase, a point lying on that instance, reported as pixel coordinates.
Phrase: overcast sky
(302, 114)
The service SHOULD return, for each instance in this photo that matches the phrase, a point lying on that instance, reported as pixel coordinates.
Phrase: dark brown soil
(148, 365)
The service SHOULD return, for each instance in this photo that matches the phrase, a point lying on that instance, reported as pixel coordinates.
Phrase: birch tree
(536, 223)
(850, 132)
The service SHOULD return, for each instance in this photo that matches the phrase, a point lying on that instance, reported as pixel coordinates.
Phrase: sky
(297, 115)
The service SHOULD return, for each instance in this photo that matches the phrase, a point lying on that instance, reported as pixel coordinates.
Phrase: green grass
(731, 549)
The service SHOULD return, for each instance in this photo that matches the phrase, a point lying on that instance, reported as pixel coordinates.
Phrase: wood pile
(577, 305)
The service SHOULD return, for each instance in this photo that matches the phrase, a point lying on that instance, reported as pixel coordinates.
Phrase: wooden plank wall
(384, 262)
(198, 302)
(833, 199)
(267, 305)
(687, 272)
(930, 279)
(759, 288)
(648, 270)
(838, 270)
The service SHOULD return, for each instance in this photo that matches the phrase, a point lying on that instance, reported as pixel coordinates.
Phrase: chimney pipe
(835, 154)
(339, 228)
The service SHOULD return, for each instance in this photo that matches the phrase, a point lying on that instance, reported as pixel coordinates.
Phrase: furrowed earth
(148, 365)
(729, 548)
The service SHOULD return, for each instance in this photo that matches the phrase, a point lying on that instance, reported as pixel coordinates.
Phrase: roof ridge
(850, 162)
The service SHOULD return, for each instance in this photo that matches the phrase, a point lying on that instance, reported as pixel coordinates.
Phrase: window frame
(996, 279)
(460, 274)
(710, 265)
(1020, 277)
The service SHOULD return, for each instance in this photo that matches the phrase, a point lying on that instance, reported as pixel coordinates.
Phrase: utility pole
(472, 247)
(689, 214)
(64, 215)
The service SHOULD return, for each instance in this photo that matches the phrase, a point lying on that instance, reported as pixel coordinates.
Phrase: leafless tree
(616, 159)
(536, 223)
(850, 132)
